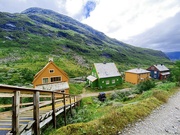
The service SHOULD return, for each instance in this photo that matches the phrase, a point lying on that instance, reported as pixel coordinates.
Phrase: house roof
(165, 73)
(161, 67)
(138, 71)
(91, 78)
(105, 70)
(43, 69)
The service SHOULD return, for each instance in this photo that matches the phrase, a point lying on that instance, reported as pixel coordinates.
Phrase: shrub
(161, 95)
(120, 95)
(166, 86)
(145, 86)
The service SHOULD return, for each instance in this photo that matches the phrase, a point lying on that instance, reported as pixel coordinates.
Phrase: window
(55, 79)
(155, 72)
(113, 81)
(107, 82)
(45, 80)
(51, 71)
(62, 91)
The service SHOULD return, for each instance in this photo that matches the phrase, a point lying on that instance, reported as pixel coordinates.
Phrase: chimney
(50, 59)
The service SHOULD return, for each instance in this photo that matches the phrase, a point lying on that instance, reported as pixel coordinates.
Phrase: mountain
(173, 55)
(27, 40)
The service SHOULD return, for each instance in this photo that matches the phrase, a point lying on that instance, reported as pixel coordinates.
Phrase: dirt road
(163, 121)
(95, 94)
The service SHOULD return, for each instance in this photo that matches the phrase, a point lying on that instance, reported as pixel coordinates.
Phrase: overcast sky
(145, 23)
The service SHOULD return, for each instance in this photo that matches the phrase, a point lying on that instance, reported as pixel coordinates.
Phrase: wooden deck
(28, 118)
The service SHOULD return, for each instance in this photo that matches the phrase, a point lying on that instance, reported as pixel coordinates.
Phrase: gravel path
(163, 121)
(95, 94)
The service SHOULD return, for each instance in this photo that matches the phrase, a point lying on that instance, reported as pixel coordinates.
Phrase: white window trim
(113, 81)
(107, 82)
(45, 78)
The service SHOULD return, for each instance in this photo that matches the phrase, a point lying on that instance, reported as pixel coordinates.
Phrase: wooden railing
(42, 111)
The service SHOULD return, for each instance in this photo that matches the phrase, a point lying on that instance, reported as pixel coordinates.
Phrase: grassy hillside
(29, 38)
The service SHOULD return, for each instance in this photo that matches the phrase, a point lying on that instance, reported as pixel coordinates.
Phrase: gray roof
(138, 71)
(165, 73)
(161, 67)
(53, 86)
(91, 78)
(105, 70)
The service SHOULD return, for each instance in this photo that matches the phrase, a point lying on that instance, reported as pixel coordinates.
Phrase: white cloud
(122, 19)
(73, 7)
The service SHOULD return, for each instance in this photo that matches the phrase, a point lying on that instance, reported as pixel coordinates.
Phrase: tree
(176, 72)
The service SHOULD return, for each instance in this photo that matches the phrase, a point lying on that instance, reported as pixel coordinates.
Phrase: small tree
(144, 86)
(176, 72)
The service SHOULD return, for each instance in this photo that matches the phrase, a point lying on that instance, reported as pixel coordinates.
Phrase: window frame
(107, 82)
(113, 81)
(54, 77)
(51, 70)
(43, 80)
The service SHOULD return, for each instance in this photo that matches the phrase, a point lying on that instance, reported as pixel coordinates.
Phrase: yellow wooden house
(51, 77)
(137, 75)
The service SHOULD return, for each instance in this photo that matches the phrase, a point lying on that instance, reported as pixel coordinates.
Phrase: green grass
(118, 87)
(76, 88)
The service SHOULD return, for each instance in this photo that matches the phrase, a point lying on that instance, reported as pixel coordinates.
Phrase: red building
(159, 71)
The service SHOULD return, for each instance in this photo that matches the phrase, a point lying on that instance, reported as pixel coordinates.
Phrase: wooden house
(51, 78)
(159, 71)
(137, 75)
(104, 75)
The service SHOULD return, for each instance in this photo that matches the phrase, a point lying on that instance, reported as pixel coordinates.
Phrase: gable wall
(154, 72)
(46, 74)
(131, 78)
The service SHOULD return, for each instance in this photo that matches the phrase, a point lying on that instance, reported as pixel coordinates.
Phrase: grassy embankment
(112, 116)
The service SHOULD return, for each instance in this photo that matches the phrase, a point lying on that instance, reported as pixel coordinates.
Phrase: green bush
(145, 86)
(166, 86)
(120, 95)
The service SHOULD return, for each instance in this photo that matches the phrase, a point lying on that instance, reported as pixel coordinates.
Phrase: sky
(144, 23)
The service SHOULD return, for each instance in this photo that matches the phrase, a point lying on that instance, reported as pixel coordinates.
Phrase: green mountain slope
(29, 38)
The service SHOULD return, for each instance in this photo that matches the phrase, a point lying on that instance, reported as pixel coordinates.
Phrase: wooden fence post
(70, 105)
(15, 115)
(54, 110)
(74, 101)
(64, 101)
(36, 113)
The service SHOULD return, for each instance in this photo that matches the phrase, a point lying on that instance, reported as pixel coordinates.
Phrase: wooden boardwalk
(28, 118)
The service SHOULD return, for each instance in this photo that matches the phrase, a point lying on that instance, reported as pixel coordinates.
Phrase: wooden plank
(21, 129)
(6, 120)
(30, 124)
(8, 129)
(54, 110)
(36, 113)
